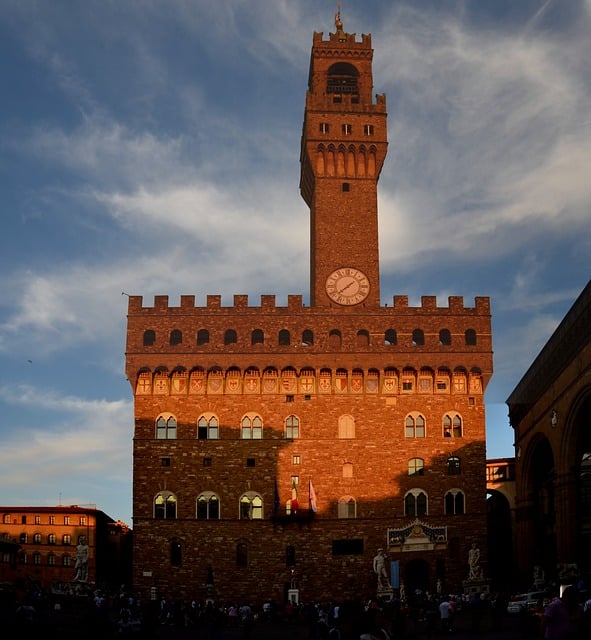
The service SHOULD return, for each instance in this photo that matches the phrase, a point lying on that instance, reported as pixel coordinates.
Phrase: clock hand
(346, 287)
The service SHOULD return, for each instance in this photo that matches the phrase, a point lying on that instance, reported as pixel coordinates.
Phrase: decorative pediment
(417, 536)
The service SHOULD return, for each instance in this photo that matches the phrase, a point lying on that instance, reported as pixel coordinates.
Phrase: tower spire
(338, 23)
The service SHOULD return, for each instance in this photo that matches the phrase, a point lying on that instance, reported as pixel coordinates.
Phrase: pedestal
(476, 586)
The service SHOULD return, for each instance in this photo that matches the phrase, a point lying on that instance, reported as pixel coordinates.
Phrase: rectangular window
(347, 547)
(37, 519)
(83, 521)
(296, 460)
(289, 398)
(207, 462)
(250, 462)
(407, 385)
(324, 127)
(66, 519)
(346, 187)
(347, 129)
(51, 519)
(165, 462)
(368, 129)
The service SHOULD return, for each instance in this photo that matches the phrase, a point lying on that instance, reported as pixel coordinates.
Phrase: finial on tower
(337, 19)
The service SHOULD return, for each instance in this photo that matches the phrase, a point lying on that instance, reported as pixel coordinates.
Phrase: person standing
(563, 617)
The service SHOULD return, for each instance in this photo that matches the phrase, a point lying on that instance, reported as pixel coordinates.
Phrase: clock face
(347, 286)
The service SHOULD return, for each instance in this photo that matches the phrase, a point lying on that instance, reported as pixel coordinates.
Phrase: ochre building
(277, 448)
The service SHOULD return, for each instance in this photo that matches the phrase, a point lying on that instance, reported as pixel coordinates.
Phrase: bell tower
(344, 144)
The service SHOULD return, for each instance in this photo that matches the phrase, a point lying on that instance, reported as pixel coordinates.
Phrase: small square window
(347, 129)
(289, 398)
(368, 129)
(307, 397)
(296, 460)
(324, 127)
(471, 401)
(207, 462)
(165, 462)
(346, 187)
(250, 462)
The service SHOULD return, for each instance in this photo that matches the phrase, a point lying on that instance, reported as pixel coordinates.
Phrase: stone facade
(278, 446)
(550, 411)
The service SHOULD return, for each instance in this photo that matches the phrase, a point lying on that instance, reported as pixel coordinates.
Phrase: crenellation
(187, 302)
(429, 302)
(267, 302)
(456, 304)
(160, 303)
(240, 301)
(400, 302)
(214, 301)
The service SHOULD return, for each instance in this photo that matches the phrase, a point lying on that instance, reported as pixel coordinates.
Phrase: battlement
(340, 37)
(455, 305)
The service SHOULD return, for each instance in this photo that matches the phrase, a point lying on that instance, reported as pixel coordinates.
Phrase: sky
(152, 147)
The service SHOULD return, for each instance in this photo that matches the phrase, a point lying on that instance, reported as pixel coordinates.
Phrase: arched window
(284, 338)
(208, 506)
(414, 426)
(418, 338)
(292, 427)
(166, 427)
(454, 502)
(307, 338)
(347, 508)
(334, 339)
(390, 337)
(470, 337)
(251, 506)
(176, 337)
(346, 427)
(165, 506)
(452, 426)
(444, 337)
(208, 427)
(230, 337)
(257, 337)
(415, 503)
(416, 467)
(36, 538)
(363, 338)
(149, 338)
(454, 466)
(202, 336)
(51, 538)
(251, 427)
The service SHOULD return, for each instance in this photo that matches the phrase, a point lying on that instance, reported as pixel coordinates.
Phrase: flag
(294, 496)
(276, 497)
(313, 503)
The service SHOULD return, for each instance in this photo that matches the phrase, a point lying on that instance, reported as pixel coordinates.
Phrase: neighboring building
(276, 449)
(500, 486)
(44, 543)
(550, 411)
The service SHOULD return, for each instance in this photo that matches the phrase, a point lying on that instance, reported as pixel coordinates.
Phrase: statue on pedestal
(379, 568)
(81, 565)
(475, 572)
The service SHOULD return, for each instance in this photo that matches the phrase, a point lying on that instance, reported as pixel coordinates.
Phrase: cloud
(84, 439)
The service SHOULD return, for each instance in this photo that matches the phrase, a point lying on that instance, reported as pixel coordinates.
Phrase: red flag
(313, 502)
(294, 496)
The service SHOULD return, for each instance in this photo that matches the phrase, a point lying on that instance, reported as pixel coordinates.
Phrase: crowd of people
(420, 614)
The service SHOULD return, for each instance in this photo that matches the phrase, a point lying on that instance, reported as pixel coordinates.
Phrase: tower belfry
(344, 144)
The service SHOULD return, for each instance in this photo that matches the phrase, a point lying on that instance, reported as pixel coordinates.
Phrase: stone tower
(277, 448)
